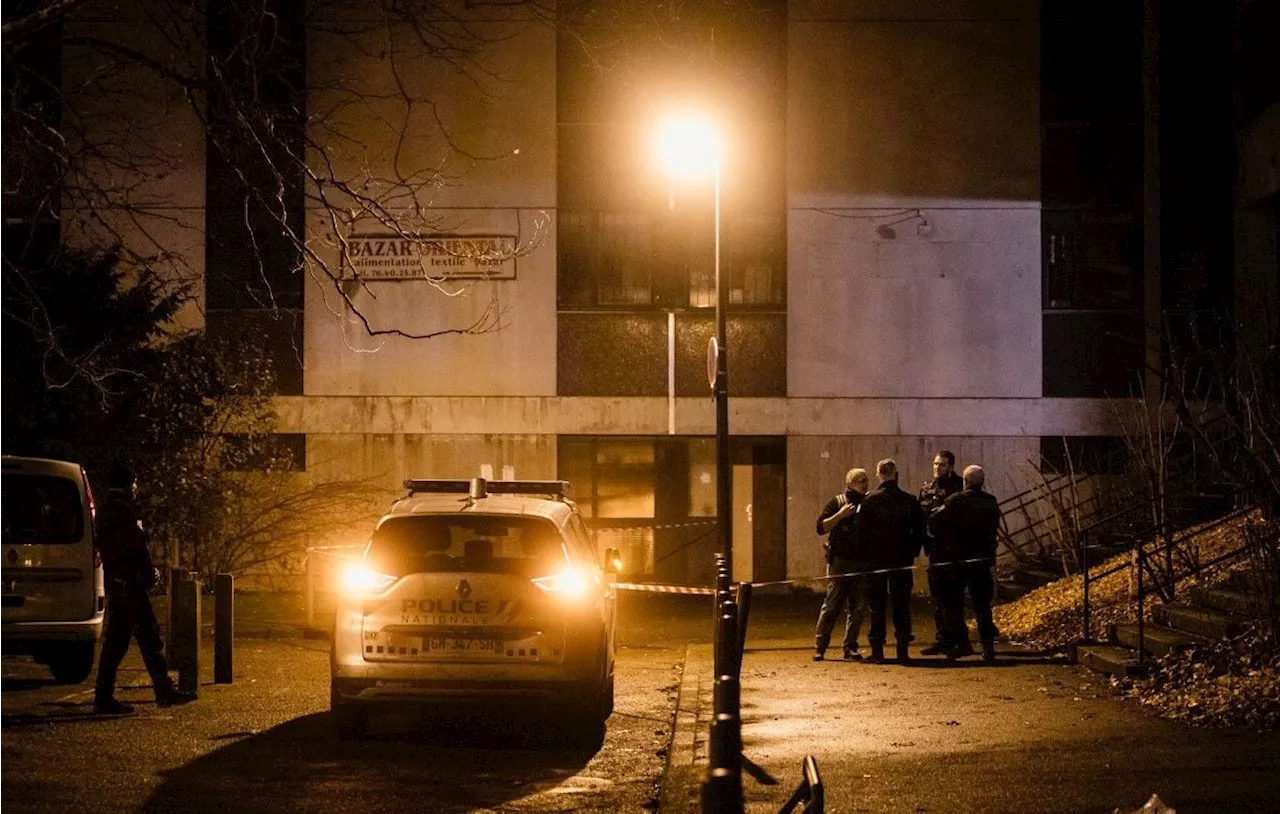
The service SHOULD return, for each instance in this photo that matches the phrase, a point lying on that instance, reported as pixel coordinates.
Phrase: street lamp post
(690, 146)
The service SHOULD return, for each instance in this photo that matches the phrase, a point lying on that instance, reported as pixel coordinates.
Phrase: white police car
(476, 592)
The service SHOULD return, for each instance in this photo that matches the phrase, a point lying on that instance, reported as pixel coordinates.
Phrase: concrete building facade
(893, 227)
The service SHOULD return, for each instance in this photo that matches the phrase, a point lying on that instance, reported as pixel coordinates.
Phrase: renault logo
(464, 589)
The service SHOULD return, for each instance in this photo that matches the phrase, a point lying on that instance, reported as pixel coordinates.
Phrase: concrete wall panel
(952, 311)
(816, 468)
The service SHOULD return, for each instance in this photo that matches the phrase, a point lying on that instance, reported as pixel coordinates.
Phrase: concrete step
(1227, 601)
(1157, 639)
(1246, 581)
(1107, 658)
(1009, 591)
(1035, 577)
(1199, 621)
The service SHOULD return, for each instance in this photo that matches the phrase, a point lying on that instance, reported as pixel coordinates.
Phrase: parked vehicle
(53, 597)
(475, 592)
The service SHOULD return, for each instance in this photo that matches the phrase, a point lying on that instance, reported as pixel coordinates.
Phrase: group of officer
(873, 539)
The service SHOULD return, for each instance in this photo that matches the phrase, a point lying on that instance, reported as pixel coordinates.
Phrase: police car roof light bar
(477, 488)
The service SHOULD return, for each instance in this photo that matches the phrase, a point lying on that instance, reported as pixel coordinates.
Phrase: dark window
(1092, 262)
(1091, 185)
(255, 180)
(1083, 454)
(279, 332)
(626, 239)
(524, 546)
(1092, 355)
(277, 452)
(41, 509)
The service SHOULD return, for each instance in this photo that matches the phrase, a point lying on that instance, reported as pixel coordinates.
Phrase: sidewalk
(1028, 734)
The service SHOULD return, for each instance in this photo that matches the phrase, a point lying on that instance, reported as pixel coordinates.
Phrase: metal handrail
(810, 794)
(1141, 556)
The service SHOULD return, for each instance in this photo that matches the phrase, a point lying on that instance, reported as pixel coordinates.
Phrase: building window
(1083, 455)
(255, 186)
(626, 238)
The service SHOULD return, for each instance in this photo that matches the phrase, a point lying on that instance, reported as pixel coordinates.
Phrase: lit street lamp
(689, 147)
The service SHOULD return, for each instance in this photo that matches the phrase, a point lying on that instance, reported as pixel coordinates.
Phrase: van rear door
(47, 568)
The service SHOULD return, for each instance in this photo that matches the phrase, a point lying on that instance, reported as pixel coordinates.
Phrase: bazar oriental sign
(454, 257)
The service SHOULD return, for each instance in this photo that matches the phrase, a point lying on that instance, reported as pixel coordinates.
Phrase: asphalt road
(264, 744)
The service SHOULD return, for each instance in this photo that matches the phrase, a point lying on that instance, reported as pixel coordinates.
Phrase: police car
(474, 592)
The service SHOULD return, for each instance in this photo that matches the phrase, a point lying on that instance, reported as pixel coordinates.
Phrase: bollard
(724, 749)
(223, 628)
(726, 695)
(186, 641)
(722, 791)
(175, 576)
(727, 660)
(744, 611)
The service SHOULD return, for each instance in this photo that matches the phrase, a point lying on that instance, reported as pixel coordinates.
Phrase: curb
(687, 755)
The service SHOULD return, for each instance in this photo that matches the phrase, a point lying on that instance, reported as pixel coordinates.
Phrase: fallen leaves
(1234, 682)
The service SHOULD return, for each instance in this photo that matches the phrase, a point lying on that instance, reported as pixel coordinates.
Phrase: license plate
(462, 644)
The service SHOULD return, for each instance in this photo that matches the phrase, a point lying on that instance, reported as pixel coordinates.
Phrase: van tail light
(93, 520)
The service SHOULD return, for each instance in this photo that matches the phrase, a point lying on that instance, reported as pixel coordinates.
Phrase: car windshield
(40, 509)
(527, 546)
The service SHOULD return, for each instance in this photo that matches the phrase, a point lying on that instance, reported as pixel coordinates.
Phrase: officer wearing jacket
(890, 532)
(129, 574)
(839, 519)
(942, 576)
(965, 532)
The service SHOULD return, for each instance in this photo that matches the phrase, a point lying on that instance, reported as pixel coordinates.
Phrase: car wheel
(72, 664)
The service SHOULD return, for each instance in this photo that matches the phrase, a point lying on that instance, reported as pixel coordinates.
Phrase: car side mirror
(612, 561)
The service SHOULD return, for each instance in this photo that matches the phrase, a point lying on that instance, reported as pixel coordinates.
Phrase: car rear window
(527, 546)
(40, 509)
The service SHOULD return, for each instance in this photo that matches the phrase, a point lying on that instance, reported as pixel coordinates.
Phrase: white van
(50, 569)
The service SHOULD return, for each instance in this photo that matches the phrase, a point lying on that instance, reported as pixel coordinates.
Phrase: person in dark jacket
(942, 577)
(129, 574)
(965, 530)
(839, 519)
(890, 531)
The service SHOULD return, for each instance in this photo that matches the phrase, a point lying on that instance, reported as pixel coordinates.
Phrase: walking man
(839, 519)
(942, 576)
(965, 528)
(129, 574)
(890, 530)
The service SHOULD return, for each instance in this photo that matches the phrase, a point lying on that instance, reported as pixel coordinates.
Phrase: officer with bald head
(965, 531)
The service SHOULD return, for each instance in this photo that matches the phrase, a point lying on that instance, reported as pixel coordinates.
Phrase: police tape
(657, 588)
(652, 588)
(642, 526)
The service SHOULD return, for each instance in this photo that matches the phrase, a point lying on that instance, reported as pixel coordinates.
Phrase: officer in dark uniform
(890, 531)
(942, 575)
(839, 518)
(129, 574)
(965, 529)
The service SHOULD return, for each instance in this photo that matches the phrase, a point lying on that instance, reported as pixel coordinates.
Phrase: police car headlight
(359, 578)
(573, 583)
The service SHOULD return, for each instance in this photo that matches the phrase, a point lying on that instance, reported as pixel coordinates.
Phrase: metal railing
(809, 795)
(1163, 547)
